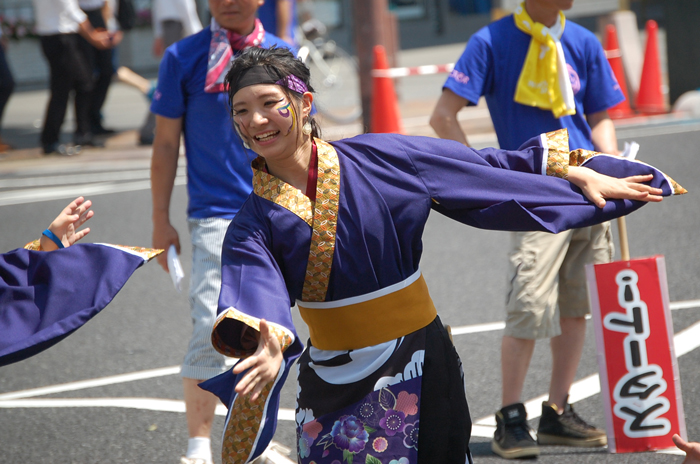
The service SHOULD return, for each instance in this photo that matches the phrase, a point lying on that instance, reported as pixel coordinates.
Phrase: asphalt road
(112, 390)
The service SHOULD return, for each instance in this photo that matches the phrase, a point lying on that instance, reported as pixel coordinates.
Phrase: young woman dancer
(336, 228)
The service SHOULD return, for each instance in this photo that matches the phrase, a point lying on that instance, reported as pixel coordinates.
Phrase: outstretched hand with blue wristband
(63, 231)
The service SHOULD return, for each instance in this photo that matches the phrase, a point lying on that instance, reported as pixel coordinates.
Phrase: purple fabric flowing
(44, 297)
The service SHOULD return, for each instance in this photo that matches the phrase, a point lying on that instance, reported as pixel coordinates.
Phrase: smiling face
(235, 15)
(268, 121)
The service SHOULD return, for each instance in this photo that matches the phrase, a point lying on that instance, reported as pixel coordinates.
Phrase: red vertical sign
(636, 356)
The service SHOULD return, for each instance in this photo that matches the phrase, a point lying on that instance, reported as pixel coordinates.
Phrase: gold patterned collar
(321, 215)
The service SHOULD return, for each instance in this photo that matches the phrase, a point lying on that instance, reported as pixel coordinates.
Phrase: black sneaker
(567, 429)
(87, 140)
(512, 438)
(101, 130)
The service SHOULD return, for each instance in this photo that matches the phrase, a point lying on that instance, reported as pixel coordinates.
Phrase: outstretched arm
(599, 187)
(65, 226)
(264, 364)
(691, 449)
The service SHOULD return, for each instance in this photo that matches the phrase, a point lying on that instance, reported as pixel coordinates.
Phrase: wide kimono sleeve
(252, 288)
(46, 296)
(523, 190)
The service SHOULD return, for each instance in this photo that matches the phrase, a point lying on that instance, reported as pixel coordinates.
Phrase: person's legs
(61, 82)
(566, 354)
(102, 68)
(588, 245)
(105, 70)
(82, 85)
(202, 361)
(172, 32)
(559, 424)
(516, 354)
(531, 306)
(531, 314)
(7, 86)
(200, 408)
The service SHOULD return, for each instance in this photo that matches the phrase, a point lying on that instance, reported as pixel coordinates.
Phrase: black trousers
(101, 66)
(7, 83)
(69, 72)
(172, 32)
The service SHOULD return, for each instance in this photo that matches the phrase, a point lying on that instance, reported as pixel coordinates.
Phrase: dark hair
(279, 62)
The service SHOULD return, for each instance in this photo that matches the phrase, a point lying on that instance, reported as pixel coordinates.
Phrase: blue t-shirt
(491, 65)
(219, 175)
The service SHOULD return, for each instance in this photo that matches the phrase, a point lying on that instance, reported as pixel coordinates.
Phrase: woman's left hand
(264, 365)
(599, 187)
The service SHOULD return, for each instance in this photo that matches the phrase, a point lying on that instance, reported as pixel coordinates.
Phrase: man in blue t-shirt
(507, 62)
(191, 101)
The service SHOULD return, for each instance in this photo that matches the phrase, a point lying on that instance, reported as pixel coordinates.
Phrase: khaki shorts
(547, 278)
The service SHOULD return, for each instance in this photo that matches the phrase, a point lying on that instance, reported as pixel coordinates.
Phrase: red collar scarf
(224, 44)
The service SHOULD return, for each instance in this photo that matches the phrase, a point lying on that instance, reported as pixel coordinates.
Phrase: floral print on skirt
(361, 406)
(381, 428)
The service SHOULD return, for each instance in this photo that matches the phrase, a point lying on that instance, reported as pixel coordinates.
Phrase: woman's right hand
(263, 366)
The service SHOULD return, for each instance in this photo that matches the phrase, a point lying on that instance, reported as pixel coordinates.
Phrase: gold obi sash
(370, 319)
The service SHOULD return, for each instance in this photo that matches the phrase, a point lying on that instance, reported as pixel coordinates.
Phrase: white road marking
(66, 179)
(477, 328)
(100, 382)
(688, 304)
(20, 197)
(492, 326)
(149, 404)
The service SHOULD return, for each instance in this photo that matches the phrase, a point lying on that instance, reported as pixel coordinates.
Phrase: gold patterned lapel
(322, 215)
(281, 193)
(325, 222)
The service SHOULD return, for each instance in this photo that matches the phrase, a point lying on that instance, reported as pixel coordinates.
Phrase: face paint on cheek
(237, 127)
(287, 111)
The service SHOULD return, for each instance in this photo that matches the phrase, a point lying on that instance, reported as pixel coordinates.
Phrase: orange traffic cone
(650, 98)
(385, 108)
(612, 51)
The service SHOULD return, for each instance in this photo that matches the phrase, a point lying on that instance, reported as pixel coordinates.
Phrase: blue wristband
(51, 236)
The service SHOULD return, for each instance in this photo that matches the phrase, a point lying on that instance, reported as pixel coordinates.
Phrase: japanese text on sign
(637, 394)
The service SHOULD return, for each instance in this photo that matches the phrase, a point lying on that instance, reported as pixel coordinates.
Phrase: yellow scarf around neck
(544, 80)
